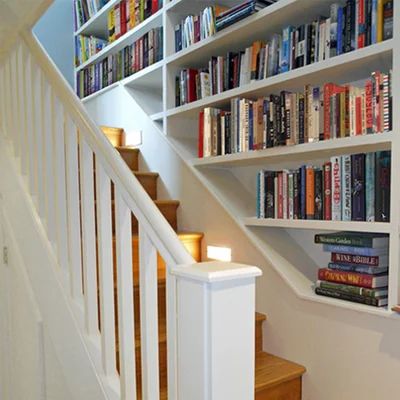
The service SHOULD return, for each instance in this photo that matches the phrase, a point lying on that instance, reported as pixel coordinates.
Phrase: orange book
(130, 6)
(310, 192)
(255, 51)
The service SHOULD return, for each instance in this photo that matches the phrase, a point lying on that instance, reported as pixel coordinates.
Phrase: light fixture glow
(219, 253)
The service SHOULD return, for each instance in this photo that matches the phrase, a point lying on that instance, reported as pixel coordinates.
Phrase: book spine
(310, 192)
(346, 188)
(358, 187)
(349, 297)
(318, 192)
(360, 251)
(362, 269)
(382, 186)
(336, 189)
(342, 258)
(346, 240)
(270, 194)
(303, 192)
(352, 278)
(370, 187)
(351, 289)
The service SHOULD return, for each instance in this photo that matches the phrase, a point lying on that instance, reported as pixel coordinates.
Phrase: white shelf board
(353, 226)
(97, 25)
(157, 116)
(301, 152)
(260, 25)
(99, 92)
(340, 69)
(152, 22)
(149, 77)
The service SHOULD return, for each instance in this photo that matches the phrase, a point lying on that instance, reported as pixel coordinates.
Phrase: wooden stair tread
(272, 370)
(167, 202)
(127, 149)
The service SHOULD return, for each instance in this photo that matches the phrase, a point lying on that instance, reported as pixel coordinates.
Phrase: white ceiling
(17, 14)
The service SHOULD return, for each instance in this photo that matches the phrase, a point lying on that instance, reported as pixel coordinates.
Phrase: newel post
(215, 326)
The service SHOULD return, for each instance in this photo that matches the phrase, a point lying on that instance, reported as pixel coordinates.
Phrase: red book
(369, 113)
(327, 191)
(376, 76)
(154, 6)
(358, 116)
(371, 261)
(352, 278)
(280, 195)
(361, 24)
(191, 85)
(122, 15)
(201, 135)
(330, 89)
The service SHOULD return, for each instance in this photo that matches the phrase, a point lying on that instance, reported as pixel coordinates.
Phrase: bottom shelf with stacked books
(358, 268)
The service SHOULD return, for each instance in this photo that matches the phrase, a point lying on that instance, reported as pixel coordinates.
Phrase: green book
(378, 292)
(356, 239)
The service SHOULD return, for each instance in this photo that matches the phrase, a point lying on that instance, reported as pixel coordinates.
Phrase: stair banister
(210, 306)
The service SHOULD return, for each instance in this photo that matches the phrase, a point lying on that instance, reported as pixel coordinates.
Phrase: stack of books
(86, 47)
(318, 113)
(294, 48)
(198, 27)
(347, 188)
(144, 52)
(358, 270)
(239, 12)
(127, 14)
(85, 9)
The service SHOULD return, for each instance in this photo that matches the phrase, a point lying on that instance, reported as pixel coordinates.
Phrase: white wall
(348, 355)
(55, 31)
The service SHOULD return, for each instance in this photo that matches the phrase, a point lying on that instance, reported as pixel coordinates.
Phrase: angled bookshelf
(223, 175)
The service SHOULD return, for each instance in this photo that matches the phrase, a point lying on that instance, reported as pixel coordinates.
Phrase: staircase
(275, 378)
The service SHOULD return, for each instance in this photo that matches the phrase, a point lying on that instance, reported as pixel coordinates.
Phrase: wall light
(219, 253)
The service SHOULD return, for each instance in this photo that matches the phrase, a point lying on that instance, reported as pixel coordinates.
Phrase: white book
(336, 189)
(321, 43)
(328, 38)
(207, 146)
(346, 188)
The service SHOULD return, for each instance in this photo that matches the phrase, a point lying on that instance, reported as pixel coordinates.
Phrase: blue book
(358, 251)
(362, 269)
(286, 49)
(374, 20)
(370, 187)
(339, 39)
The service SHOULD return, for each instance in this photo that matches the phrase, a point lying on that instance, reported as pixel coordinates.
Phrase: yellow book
(111, 26)
(379, 22)
(132, 14)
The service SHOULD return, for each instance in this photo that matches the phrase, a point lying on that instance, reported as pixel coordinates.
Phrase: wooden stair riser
(114, 135)
(149, 183)
(130, 156)
(290, 390)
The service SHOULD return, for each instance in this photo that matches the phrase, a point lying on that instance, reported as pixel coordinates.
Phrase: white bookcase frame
(179, 124)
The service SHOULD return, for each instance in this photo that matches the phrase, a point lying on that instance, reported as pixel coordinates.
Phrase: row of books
(358, 269)
(346, 188)
(86, 47)
(292, 49)
(142, 53)
(85, 9)
(197, 27)
(127, 14)
(318, 113)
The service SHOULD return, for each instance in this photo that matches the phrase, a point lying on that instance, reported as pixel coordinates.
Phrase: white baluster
(38, 104)
(2, 99)
(123, 230)
(7, 78)
(74, 219)
(88, 237)
(106, 275)
(14, 103)
(47, 110)
(30, 126)
(148, 316)
(22, 108)
(61, 197)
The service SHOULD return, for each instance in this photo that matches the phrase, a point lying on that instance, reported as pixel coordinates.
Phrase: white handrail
(165, 239)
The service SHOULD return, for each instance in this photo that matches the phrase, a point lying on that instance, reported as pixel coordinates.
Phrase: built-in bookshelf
(231, 178)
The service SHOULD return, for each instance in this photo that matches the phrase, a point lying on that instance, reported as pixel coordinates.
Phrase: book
(373, 261)
(361, 251)
(378, 292)
(382, 186)
(358, 187)
(353, 278)
(371, 301)
(364, 239)
(362, 269)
